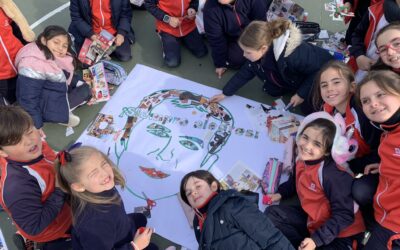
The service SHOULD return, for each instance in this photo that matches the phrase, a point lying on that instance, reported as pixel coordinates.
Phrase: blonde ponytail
(258, 33)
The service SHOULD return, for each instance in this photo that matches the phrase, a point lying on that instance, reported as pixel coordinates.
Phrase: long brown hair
(344, 70)
(70, 172)
(259, 33)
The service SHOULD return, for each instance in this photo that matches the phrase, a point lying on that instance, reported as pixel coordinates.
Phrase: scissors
(150, 203)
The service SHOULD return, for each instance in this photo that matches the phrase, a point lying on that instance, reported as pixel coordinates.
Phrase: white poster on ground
(157, 127)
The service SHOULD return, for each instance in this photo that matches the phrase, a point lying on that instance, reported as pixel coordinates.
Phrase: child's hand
(307, 244)
(174, 22)
(217, 98)
(191, 13)
(220, 72)
(364, 62)
(119, 39)
(94, 37)
(142, 238)
(295, 100)
(372, 168)
(275, 197)
(347, 7)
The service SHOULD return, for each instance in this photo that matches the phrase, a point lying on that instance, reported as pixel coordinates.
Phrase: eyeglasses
(394, 45)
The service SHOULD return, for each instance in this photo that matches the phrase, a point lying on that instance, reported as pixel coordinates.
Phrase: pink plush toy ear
(338, 118)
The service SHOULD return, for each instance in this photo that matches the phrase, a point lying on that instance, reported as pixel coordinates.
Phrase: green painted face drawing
(160, 136)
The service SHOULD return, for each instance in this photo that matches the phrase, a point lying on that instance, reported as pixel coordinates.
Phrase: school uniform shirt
(223, 24)
(172, 8)
(30, 198)
(365, 133)
(103, 226)
(386, 199)
(297, 63)
(324, 191)
(232, 222)
(101, 16)
(9, 47)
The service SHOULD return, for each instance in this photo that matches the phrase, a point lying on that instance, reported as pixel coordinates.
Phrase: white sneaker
(73, 120)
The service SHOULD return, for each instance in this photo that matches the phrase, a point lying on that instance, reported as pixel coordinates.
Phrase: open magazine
(93, 51)
(95, 76)
(241, 177)
(284, 9)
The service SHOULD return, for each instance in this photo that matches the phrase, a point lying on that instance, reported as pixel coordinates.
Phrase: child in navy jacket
(280, 59)
(100, 219)
(224, 21)
(28, 190)
(327, 218)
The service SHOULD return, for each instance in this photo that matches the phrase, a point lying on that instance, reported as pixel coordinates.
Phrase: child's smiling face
(58, 45)
(378, 105)
(96, 175)
(311, 144)
(198, 191)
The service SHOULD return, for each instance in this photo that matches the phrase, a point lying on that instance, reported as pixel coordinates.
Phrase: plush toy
(344, 147)
(13, 12)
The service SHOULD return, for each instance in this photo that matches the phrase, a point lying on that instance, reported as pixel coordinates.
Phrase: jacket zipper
(101, 13)
(182, 15)
(381, 193)
(8, 56)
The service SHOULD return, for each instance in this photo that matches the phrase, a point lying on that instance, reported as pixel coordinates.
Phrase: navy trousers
(380, 237)
(172, 51)
(292, 222)
(8, 88)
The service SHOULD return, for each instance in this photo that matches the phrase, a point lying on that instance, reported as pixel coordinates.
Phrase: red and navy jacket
(9, 47)
(329, 206)
(223, 24)
(386, 200)
(365, 133)
(83, 19)
(173, 8)
(29, 196)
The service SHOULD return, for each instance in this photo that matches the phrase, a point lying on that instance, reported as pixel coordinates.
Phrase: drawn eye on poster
(158, 127)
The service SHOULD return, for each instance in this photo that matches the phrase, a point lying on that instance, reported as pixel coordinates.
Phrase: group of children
(356, 133)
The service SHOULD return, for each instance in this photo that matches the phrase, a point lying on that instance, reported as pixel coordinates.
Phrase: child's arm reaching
(124, 24)
(142, 238)
(341, 204)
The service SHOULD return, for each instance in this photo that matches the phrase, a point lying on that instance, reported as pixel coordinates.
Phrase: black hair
(199, 174)
(49, 33)
(328, 130)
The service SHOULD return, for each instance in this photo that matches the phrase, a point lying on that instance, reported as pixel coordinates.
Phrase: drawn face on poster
(169, 134)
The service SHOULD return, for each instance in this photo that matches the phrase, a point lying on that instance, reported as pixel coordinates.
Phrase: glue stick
(305, 16)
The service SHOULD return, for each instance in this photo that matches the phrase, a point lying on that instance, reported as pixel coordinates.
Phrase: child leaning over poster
(227, 219)
(328, 217)
(284, 63)
(100, 220)
(29, 193)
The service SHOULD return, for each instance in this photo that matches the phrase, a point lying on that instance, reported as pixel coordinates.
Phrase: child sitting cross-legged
(100, 219)
(327, 218)
(29, 193)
